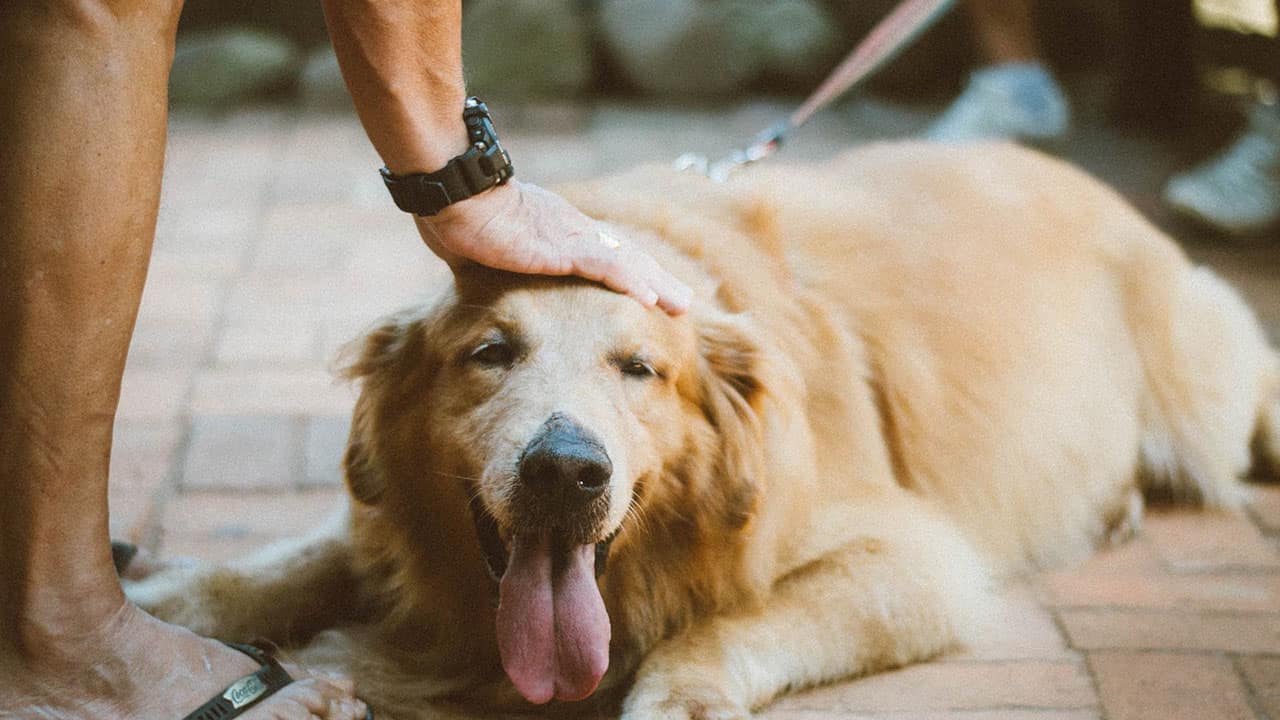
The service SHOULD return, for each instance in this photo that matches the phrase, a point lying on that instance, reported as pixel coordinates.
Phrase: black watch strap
(484, 165)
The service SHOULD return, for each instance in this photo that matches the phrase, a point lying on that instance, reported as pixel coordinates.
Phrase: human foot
(1012, 101)
(1236, 192)
(135, 666)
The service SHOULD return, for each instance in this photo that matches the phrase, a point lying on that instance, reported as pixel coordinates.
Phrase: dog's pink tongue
(553, 631)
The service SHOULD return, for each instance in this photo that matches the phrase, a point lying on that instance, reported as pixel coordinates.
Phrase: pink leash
(889, 37)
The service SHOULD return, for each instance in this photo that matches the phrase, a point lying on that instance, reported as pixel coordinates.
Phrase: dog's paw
(686, 702)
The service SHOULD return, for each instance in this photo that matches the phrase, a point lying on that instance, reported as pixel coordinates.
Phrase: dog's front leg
(285, 592)
(907, 590)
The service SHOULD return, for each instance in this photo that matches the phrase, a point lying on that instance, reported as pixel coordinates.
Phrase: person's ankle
(55, 635)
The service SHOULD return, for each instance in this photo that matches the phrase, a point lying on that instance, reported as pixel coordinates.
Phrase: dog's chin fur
(938, 365)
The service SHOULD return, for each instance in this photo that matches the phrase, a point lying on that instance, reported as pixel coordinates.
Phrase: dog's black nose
(565, 463)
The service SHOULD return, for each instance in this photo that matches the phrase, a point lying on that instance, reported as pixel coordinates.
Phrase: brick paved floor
(276, 244)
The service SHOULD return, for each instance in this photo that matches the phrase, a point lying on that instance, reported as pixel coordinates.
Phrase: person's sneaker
(1237, 191)
(1014, 101)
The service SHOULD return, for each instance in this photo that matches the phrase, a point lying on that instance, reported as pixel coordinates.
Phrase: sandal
(241, 694)
(248, 690)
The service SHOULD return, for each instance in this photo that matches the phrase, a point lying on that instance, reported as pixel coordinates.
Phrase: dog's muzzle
(562, 486)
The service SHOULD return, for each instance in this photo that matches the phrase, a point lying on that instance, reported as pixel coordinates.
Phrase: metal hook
(765, 144)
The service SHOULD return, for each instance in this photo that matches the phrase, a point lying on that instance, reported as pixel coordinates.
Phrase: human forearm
(402, 61)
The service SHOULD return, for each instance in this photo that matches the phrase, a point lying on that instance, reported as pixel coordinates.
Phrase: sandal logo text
(245, 691)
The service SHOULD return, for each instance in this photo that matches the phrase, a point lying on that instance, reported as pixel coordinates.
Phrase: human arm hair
(402, 62)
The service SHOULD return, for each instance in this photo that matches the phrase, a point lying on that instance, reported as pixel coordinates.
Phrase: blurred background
(1177, 77)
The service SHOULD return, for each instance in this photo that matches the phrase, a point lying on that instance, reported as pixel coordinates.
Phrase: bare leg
(1005, 31)
(1012, 96)
(82, 114)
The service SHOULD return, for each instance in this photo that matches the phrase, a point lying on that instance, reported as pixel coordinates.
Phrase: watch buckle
(435, 192)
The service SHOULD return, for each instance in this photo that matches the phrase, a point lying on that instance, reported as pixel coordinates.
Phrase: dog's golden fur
(907, 371)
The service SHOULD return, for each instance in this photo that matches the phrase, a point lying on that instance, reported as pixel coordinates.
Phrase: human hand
(520, 227)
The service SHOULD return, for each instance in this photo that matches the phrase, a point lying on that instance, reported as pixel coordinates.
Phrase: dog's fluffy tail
(1214, 386)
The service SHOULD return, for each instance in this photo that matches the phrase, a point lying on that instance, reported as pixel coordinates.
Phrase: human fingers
(347, 708)
(617, 270)
(596, 253)
(674, 297)
(629, 270)
(637, 268)
(325, 698)
(537, 231)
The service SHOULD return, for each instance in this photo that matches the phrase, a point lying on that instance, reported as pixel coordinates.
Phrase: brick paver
(154, 394)
(141, 463)
(935, 687)
(243, 452)
(269, 391)
(295, 341)
(1105, 629)
(1208, 541)
(1266, 508)
(224, 525)
(276, 245)
(1244, 593)
(170, 342)
(1167, 686)
(325, 441)
(1262, 676)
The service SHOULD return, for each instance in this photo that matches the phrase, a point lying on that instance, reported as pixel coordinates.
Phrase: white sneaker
(1237, 191)
(1015, 101)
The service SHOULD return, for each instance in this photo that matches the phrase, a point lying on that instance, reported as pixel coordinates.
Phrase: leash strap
(889, 37)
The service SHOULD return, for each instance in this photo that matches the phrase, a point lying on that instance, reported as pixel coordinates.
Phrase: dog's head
(555, 411)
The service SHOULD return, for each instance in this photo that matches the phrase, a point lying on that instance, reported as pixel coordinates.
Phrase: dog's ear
(731, 356)
(364, 482)
(390, 362)
(732, 393)
(384, 346)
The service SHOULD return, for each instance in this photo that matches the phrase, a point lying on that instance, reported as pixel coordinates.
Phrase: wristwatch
(484, 165)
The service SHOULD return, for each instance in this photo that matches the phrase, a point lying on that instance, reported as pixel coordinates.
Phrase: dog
(907, 373)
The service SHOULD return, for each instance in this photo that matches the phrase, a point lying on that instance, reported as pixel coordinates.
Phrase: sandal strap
(248, 690)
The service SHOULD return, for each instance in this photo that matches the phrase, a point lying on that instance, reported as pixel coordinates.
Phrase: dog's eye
(493, 354)
(637, 368)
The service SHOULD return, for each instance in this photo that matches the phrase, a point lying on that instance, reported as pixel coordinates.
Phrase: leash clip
(765, 144)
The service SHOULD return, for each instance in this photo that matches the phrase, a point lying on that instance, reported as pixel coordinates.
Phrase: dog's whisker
(441, 473)
(637, 519)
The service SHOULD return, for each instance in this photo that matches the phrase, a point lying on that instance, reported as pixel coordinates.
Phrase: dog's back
(1041, 356)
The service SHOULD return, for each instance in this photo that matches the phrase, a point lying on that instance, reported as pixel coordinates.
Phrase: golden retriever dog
(907, 373)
